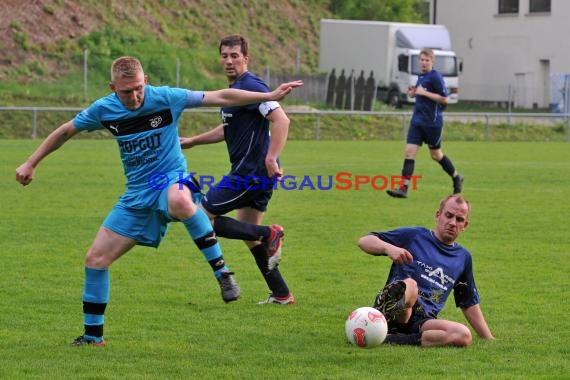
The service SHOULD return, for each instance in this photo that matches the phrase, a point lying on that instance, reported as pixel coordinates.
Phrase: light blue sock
(95, 299)
(201, 231)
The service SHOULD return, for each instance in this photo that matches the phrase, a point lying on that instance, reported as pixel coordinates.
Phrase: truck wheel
(394, 99)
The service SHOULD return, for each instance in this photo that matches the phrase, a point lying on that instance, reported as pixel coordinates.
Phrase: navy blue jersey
(426, 111)
(246, 130)
(438, 268)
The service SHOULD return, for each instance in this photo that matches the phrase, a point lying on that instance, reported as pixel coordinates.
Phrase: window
(508, 6)
(446, 65)
(539, 6)
(403, 63)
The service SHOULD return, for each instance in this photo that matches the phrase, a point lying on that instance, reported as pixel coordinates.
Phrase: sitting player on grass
(427, 266)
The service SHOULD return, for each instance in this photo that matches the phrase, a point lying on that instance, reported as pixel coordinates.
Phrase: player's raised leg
(198, 225)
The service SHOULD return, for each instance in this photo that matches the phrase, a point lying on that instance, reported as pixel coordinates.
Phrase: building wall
(507, 56)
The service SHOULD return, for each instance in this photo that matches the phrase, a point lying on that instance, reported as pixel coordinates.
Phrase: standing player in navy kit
(427, 266)
(427, 124)
(144, 121)
(254, 156)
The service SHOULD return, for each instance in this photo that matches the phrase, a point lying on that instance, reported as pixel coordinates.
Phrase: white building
(511, 49)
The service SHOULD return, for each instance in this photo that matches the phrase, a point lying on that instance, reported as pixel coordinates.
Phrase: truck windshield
(446, 65)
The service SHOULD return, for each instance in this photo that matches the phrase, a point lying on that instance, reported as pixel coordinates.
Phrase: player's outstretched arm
(25, 172)
(475, 317)
(235, 97)
(214, 135)
(375, 246)
(284, 89)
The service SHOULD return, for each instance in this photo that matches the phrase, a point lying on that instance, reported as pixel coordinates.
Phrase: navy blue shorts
(418, 134)
(232, 195)
(413, 326)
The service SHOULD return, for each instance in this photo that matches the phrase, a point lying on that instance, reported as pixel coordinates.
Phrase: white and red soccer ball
(366, 327)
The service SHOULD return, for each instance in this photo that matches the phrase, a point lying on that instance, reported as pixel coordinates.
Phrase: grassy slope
(160, 32)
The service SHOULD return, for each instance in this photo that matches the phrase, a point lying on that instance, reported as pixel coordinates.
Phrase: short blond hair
(125, 67)
(459, 199)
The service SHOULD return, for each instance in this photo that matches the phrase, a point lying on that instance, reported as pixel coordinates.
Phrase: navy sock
(273, 278)
(95, 299)
(407, 171)
(447, 165)
(407, 339)
(234, 229)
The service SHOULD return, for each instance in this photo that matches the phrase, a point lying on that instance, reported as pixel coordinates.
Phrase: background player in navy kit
(254, 155)
(427, 124)
(144, 121)
(427, 266)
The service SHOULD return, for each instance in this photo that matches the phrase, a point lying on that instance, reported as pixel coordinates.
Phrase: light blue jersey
(147, 138)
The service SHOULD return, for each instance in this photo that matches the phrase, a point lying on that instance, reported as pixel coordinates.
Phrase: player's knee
(411, 285)
(411, 292)
(462, 336)
(362, 242)
(94, 259)
(436, 155)
(181, 207)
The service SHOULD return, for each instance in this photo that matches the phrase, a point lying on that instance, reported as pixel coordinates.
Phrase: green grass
(166, 319)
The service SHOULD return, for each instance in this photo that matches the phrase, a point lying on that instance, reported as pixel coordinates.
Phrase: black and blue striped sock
(95, 299)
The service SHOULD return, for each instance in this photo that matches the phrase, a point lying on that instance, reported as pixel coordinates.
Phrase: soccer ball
(366, 327)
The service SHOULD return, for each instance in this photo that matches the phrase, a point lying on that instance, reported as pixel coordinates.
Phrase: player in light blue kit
(144, 121)
(427, 266)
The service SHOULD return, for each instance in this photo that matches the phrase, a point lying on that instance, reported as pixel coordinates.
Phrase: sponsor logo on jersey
(124, 127)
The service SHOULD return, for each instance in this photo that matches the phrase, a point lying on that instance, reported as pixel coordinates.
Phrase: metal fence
(539, 120)
(319, 117)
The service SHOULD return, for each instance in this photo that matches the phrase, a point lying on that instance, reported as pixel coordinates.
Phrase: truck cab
(405, 71)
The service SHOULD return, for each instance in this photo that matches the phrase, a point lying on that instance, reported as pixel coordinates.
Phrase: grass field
(166, 319)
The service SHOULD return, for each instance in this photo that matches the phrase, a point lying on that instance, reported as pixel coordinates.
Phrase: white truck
(388, 52)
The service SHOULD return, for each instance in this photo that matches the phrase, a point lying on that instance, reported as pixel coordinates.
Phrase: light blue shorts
(148, 225)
